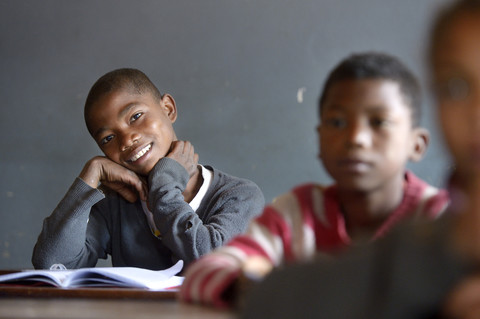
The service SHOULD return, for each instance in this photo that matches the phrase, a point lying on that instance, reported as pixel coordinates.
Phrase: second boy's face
(456, 75)
(133, 130)
(366, 135)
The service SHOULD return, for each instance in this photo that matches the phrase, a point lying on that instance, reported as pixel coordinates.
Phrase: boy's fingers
(144, 193)
(184, 153)
(177, 146)
(191, 149)
(128, 194)
(124, 190)
(179, 151)
(136, 183)
(124, 181)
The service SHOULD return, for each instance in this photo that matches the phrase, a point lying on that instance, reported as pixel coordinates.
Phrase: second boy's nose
(474, 105)
(358, 135)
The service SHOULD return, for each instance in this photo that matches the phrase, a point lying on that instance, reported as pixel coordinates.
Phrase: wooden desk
(18, 302)
(55, 308)
(103, 303)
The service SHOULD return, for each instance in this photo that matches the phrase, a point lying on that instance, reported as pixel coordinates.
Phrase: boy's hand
(464, 301)
(183, 152)
(253, 271)
(101, 170)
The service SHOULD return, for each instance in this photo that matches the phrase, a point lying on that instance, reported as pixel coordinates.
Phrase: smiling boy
(369, 130)
(159, 205)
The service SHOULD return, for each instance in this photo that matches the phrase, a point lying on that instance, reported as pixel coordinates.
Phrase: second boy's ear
(421, 138)
(169, 107)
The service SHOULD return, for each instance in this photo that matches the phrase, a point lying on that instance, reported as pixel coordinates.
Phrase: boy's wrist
(252, 272)
(89, 174)
(171, 167)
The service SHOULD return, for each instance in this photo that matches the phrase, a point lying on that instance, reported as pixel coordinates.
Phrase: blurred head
(130, 120)
(368, 130)
(455, 70)
(376, 65)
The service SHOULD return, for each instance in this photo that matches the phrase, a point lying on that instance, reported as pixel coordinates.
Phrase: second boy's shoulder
(429, 201)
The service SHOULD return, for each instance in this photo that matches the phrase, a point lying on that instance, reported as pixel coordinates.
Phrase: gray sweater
(88, 225)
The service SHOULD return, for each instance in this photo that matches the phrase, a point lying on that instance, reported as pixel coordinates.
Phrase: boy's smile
(133, 130)
(139, 154)
(366, 135)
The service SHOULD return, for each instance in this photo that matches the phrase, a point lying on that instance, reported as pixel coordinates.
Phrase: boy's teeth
(141, 153)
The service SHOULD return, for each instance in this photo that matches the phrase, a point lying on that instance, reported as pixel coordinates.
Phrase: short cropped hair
(374, 65)
(121, 79)
(444, 18)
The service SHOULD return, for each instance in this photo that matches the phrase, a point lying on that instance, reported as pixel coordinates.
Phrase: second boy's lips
(139, 152)
(354, 164)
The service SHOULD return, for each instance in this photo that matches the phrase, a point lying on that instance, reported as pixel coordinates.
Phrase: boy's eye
(106, 139)
(136, 116)
(378, 122)
(335, 122)
(455, 88)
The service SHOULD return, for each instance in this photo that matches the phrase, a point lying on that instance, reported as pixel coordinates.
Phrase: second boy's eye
(378, 122)
(335, 122)
(106, 139)
(455, 88)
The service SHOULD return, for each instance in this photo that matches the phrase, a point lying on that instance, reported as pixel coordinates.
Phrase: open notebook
(122, 277)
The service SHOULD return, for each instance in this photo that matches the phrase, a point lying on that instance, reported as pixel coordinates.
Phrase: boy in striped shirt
(369, 129)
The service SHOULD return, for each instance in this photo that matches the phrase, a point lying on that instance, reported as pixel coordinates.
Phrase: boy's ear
(169, 106)
(421, 138)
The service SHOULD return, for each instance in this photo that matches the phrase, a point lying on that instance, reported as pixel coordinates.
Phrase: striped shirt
(294, 227)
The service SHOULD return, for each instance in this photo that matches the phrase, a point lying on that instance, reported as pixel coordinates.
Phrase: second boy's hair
(120, 79)
(373, 65)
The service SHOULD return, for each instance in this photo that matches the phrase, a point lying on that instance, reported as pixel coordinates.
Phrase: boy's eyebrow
(333, 107)
(370, 108)
(124, 111)
(127, 108)
(98, 132)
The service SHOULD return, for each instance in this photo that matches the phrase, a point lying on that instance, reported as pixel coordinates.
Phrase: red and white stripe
(296, 226)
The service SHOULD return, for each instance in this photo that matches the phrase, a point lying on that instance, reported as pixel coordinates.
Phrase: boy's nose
(359, 135)
(475, 106)
(472, 116)
(128, 140)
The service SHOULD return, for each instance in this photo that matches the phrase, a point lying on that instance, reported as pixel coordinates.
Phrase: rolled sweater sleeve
(222, 214)
(63, 238)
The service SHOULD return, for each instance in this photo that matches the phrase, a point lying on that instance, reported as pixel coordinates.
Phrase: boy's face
(133, 130)
(366, 135)
(456, 77)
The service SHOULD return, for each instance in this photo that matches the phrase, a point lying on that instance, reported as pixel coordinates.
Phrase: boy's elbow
(257, 209)
(257, 201)
(37, 261)
(40, 258)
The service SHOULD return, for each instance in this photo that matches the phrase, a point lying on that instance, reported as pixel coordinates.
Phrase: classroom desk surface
(18, 301)
(84, 308)
(91, 303)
